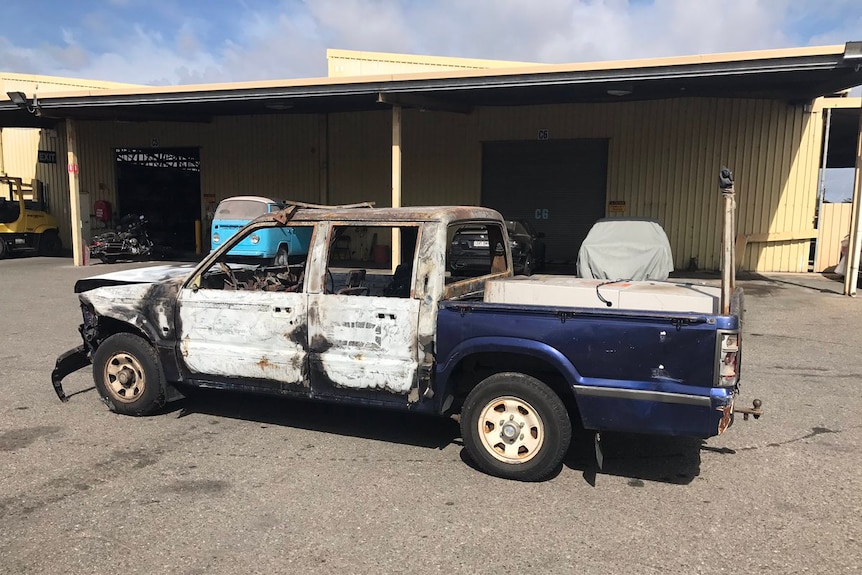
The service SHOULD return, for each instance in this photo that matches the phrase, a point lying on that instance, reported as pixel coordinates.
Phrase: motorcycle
(130, 241)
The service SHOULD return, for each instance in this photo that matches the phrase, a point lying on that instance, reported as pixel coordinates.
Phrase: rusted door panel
(249, 334)
(363, 343)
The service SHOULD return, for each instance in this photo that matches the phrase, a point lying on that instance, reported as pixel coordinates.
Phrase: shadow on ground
(674, 460)
(640, 458)
(347, 420)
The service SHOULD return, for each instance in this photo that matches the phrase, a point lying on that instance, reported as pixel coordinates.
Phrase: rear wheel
(4, 250)
(128, 376)
(49, 243)
(516, 427)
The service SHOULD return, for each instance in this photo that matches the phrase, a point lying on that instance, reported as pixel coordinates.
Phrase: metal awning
(793, 75)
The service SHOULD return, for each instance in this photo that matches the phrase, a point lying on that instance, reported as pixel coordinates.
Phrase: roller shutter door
(559, 185)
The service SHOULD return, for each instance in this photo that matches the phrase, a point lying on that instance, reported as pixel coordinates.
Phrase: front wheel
(515, 427)
(128, 376)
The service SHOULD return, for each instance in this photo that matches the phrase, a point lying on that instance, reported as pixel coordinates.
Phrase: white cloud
(288, 39)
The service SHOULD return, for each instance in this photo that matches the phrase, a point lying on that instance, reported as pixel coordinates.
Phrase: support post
(396, 181)
(728, 253)
(855, 246)
(2, 168)
(74, 193)
(323, 157)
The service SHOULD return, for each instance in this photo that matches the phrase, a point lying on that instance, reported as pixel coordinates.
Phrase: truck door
(363, 339)
(238, 320)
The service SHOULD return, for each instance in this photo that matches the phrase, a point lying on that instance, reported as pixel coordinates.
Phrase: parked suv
(468, 252)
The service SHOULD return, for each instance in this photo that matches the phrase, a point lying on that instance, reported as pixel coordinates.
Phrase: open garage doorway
(558, 185)
(163, 184)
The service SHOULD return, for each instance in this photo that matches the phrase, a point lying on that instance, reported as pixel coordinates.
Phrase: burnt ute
(519, 359)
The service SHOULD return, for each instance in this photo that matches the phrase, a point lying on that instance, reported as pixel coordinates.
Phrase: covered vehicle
(625, 249)
(279, 245)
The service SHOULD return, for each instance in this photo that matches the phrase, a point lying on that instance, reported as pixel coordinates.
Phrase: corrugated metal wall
(20, 154)
(360, 158)
(663, 162)
(834, 227)
(274, 156)
(277, 156)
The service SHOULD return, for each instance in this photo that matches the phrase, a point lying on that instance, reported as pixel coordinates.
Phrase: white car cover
(625, 249)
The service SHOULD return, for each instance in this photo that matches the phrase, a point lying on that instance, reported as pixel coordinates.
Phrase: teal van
(276, 244)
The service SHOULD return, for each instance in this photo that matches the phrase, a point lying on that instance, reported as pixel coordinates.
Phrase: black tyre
(49, 243)
(280, 258)
(4, 250)
(516, 427)
(128, 376)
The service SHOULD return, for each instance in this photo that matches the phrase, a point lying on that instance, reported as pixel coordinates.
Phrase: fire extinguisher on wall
(102, 210)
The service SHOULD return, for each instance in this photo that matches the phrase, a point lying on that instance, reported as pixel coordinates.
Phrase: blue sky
(192, 41)
(162, 42)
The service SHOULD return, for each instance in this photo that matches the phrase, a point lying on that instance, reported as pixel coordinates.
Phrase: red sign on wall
(73, 168)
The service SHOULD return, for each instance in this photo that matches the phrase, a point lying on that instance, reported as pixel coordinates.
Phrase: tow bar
(755, 410)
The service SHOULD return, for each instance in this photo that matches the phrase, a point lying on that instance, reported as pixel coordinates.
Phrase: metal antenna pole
(728, 251)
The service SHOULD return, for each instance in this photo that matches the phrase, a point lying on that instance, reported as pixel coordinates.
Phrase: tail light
(728, 359)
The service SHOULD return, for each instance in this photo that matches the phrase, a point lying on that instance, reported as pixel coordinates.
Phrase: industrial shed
(561, 144)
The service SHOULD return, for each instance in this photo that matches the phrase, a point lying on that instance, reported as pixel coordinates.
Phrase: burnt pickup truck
(518, 360)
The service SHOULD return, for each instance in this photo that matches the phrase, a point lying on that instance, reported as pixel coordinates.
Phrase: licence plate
(480, 244)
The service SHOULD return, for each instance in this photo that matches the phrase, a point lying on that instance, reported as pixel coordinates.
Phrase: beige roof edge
(517, 70)
(427, 59)
(82, 83)
(843, 102)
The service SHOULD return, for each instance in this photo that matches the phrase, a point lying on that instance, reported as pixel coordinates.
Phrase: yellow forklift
(25, 225)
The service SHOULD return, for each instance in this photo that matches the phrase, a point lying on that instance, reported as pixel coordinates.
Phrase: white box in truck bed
(631, 295)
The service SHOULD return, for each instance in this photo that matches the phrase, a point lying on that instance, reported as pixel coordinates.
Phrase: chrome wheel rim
(510, 429)
(124, 377)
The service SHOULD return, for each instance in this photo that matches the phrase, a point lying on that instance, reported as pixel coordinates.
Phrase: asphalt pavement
(223, 483)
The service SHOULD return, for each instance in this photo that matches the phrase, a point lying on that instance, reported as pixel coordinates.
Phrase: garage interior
(164, 185)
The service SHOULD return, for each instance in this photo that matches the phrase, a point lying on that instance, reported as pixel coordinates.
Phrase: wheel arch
(108, 326)
(477, 359)
(47, 229)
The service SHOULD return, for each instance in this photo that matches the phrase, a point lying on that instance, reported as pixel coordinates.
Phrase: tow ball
(755, 410)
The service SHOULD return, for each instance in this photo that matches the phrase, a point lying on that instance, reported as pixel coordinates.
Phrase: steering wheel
(226, 269)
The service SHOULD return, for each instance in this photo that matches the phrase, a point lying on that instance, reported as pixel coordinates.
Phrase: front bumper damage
(69, 362)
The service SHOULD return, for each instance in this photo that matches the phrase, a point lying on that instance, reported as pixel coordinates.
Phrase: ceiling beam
(422, 103)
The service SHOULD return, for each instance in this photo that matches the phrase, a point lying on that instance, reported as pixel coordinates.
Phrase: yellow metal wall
(20, 153)
(278, 156)
(274, 156)
(360, 158)
(664, 160)
(835, 226)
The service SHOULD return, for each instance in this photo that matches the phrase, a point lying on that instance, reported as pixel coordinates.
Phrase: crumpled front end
(78, 357)
(69, 362)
